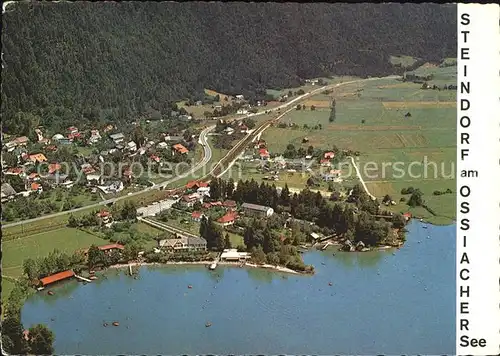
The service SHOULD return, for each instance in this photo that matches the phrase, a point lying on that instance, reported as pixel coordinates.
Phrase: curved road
(207, 156)
(207, 152)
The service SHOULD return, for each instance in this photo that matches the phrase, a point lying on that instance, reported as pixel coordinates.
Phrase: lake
(379, 303)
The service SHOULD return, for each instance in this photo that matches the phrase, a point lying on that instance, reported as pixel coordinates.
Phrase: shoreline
(230, 264)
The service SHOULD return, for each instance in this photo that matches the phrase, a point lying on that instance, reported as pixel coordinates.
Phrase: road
(206, 158)
(361, 179)
(207, 151)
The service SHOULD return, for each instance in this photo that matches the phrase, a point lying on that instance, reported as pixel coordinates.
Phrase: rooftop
(255, 207)
(57, 277)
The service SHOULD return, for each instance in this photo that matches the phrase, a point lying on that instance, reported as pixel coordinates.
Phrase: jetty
(213, 266)
(325, 246)
(83, 278)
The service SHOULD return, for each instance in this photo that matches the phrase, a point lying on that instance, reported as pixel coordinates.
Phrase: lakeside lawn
(64, 239)
(14, 252)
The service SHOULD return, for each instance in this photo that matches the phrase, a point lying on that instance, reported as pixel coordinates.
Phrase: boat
(105, 324)
(190, 286)
(50, 292)
(424, 227)
(330, 284)
(213, 266)
(208, 324)
(93, 278)
(115, 323)
(40, 288)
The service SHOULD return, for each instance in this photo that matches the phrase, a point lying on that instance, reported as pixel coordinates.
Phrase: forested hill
(113, 60)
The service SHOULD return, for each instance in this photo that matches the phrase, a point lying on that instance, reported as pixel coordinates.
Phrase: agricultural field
(388, 121)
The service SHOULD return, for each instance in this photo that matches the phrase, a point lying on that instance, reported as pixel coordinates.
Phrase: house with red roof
(228, 219)
(230, 204)
(194, 184)
(14, 171)
(56, 277)
(33, 177)
(54, 167)
(179, 149)
(407, 216)
(196, 215)
(36, 187)
(104, 217)
(155, 158)
(263, 153)
(21, 141)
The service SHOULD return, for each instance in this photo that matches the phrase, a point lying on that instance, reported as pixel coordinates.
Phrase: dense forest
(106, 61)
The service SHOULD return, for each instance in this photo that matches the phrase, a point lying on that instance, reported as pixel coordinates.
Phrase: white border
(478, 278)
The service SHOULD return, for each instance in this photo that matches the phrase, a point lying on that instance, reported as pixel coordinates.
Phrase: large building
(257, 210)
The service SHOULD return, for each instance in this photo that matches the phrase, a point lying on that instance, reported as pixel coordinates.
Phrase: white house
(117, 138)
(162, 145)
(257, 210)
(242, 112)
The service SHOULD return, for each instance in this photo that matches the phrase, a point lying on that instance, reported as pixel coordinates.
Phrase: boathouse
(56, 278)
(232, 255)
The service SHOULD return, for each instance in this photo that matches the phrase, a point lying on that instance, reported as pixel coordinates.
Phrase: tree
(10, 159)
(333, 114)
(13, 340)
(300, 92)
(30, 269)
(94, 256)
(131, 251)
(313, 107)
(298, 107)
(138, 136)
(72, 221)
(398, 221)
(416, 198)
(41, 340)
(215, 189)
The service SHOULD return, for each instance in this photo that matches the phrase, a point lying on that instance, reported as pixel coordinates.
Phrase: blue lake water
(379, 303)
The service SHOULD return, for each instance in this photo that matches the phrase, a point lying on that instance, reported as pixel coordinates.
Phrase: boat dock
(213, 266)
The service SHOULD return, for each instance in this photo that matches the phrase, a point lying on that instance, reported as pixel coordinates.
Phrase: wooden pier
(83, 278)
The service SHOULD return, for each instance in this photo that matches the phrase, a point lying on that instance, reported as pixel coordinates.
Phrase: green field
(388, 121)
